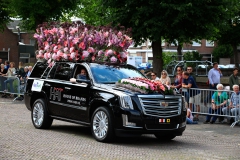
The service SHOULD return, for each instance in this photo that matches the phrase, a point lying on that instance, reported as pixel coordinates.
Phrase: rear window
(38, 69)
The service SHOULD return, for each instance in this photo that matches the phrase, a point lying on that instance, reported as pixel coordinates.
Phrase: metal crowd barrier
(206, 104)
(12, 86)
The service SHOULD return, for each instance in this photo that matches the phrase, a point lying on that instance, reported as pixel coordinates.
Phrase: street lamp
(19, 36)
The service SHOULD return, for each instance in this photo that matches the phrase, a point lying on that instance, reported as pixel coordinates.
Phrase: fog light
(183, 124)
(126, 123)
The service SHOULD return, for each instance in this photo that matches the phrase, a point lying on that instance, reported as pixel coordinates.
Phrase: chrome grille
(151, 105)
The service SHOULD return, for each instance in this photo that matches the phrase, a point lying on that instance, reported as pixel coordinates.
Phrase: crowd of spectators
(221, 103)
(8, 74)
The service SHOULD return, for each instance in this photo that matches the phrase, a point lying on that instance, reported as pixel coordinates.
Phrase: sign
(37, 85)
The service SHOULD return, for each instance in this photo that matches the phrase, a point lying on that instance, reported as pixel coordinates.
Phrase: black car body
(97, 102)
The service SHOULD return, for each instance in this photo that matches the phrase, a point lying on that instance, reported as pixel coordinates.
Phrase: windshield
(111, 74)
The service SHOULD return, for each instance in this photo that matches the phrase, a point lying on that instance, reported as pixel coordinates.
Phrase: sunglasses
(152, 75)
(178, 70)
(163, 73)
(189, 69)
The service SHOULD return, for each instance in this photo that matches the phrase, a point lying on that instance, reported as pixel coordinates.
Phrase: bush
(192, 56)
(167, 58)
(222, 51)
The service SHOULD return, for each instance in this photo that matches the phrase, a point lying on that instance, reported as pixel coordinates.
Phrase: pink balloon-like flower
(73, 55)
(65, 56)
(100, 53)
(54, 56)
(113, 59)
(91, 50)
(85, 54)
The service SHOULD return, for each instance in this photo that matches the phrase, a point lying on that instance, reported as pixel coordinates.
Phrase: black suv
(97, 102)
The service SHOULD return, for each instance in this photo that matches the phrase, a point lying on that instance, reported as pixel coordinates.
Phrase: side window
(63, 71)
(44, 76)
(38, 69)
(79, 73)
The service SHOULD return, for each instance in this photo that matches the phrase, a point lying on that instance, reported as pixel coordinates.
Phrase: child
(190, 116)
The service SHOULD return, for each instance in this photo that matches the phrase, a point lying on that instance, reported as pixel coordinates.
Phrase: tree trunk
(157, 57)
(179, 51)
(235, 53)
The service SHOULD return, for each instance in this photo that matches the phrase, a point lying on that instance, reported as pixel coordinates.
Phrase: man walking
(233, 79)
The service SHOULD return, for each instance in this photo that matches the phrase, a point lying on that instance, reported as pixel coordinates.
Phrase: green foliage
(34, 12)
(5, 13)
(222, 51)
(167, 58)
(192, 56)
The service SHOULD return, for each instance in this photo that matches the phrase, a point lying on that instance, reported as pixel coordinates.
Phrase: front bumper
(134, 122)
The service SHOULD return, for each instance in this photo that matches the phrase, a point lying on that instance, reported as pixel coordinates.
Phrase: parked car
(144, 66)
(98, 103)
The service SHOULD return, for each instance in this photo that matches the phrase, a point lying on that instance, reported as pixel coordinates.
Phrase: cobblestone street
(20, 140)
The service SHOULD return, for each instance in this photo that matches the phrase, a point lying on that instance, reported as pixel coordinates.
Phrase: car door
(54, 86)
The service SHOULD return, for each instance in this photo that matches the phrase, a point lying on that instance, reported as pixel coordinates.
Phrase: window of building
(196, 44)
(24, 57)
(32, 42)
(209, 43)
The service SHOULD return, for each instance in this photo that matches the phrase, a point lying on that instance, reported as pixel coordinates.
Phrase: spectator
(219, 100)
(190, 71)
(0, 60)
(234, 103)
(7, 64)
(233, 79)
(190, 117)
(214, 76)
(154, 76)
(165, 78)
(29, 71)
(20, 70)
(3, 72)
(178, 79)
(10, 78)
(195, 95)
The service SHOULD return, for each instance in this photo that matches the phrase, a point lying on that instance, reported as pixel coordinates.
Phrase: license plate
(163, 120)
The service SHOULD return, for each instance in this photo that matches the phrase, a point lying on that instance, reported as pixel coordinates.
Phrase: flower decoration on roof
(78, 42)
(144, 85)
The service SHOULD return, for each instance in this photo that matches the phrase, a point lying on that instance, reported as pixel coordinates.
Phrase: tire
(39, 115)
(164, 137)
(102, 125)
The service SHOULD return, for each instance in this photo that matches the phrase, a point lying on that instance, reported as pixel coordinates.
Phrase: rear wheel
(164, 137)
(102, 125)
(40, 117)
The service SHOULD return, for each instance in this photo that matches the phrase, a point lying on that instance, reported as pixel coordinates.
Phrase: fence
(203, 104)
(12, 86)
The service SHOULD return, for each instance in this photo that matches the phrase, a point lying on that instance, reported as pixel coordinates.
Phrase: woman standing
(178, 79)
(165, 78)
(10, 77)
(3, 72)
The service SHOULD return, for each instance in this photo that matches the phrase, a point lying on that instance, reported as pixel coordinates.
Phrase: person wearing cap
(233, 79)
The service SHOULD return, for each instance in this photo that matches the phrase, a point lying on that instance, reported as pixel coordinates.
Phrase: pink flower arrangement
(78, 42)
(143, 85)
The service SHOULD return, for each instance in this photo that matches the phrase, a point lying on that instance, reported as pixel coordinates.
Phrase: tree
(230, 33)
(182, 20)
(5, 13)
(34, 12)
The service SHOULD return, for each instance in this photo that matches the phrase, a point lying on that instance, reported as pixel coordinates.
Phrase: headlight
(126, 101)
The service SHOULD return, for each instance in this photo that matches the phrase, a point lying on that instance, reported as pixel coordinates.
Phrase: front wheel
(39, 115)
(102, 125)
(164, 137)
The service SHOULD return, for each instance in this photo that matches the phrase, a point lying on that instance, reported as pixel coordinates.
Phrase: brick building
(204, 47)
(16, 46)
